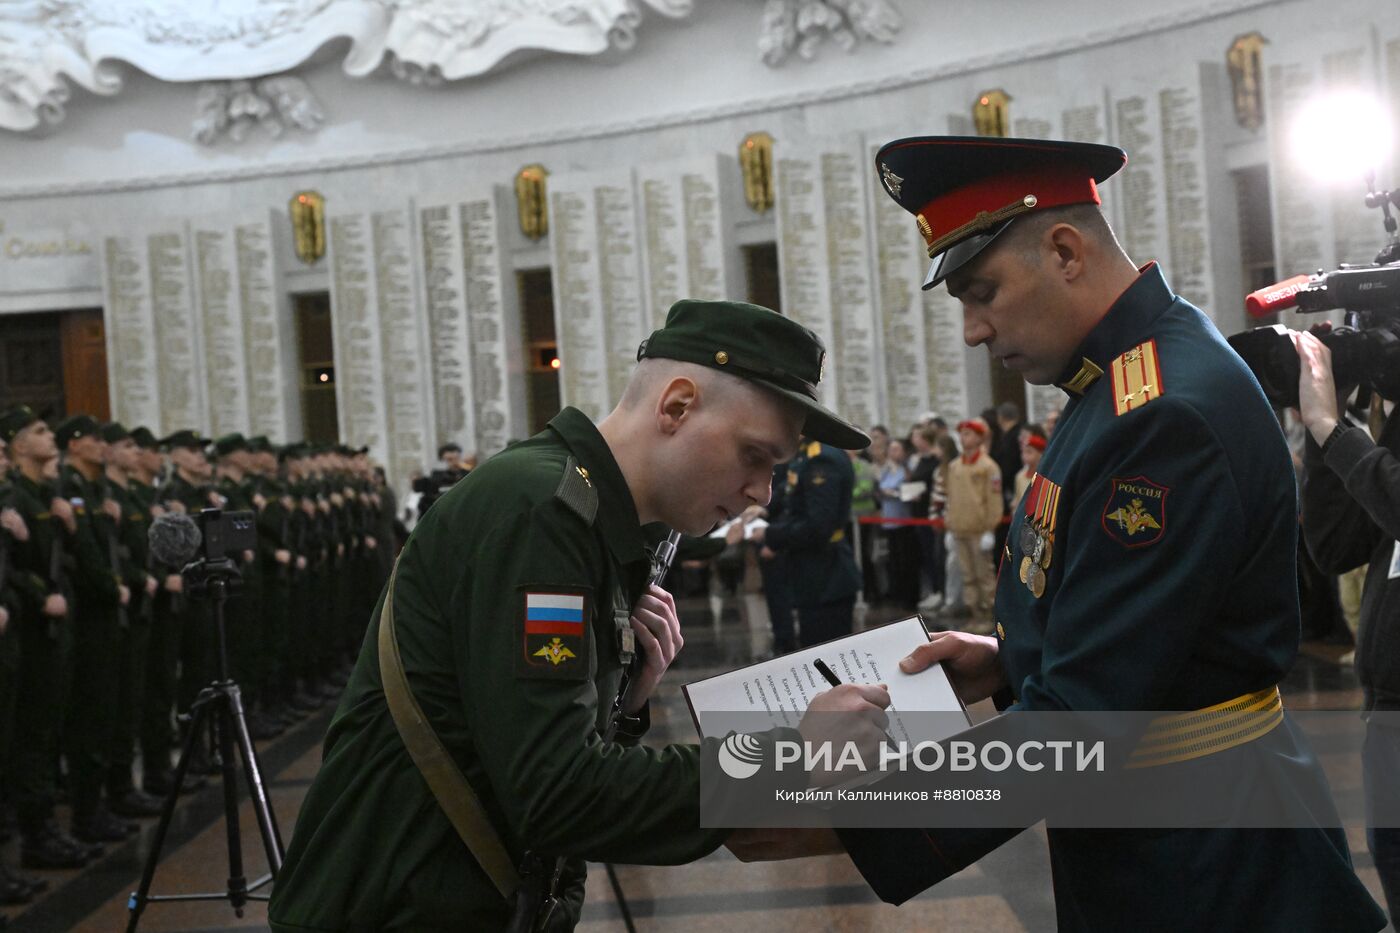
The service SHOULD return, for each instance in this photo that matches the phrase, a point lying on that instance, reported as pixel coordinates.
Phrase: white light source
(1342, 137)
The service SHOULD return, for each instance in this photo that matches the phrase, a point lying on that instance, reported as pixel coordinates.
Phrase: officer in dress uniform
(515, 602)
(1150, 566)
(810, 533)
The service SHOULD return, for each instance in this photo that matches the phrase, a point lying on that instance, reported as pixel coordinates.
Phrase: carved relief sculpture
(45, 44)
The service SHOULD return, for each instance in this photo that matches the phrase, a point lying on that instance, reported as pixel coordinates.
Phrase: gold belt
(1183, 736)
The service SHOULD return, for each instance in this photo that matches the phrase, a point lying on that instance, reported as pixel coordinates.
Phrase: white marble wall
(423, 248)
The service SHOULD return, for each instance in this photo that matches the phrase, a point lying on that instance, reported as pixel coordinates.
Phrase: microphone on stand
(174, 539)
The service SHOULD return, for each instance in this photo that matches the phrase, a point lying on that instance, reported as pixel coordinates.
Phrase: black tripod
(219, 704)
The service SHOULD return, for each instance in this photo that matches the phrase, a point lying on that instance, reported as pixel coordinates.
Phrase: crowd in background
(104, 649)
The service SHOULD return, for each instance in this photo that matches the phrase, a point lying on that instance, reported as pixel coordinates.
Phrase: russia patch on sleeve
(554, 640)
(1135, 514)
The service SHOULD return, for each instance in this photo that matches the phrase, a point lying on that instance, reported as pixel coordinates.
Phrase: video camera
(1365, 350)
(224, 536)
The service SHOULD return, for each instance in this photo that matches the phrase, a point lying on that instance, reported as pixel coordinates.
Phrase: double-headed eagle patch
(554, 635)
(1136, 512)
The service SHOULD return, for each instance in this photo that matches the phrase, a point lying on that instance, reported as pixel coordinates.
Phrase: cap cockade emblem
(891, 180)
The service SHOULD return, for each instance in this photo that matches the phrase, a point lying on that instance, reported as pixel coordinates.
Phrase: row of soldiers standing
(101, 646)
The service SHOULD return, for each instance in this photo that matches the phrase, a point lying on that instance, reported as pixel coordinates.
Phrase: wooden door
(85, 363)
(31, 364)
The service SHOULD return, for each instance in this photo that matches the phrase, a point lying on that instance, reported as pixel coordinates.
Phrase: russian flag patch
(554, 634)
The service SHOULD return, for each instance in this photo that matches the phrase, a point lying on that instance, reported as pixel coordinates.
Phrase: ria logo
(740, 756)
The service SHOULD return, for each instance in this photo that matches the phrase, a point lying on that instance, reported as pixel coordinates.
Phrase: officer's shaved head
(1026, 233)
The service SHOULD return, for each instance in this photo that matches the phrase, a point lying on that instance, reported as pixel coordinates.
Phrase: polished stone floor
(1007, 891)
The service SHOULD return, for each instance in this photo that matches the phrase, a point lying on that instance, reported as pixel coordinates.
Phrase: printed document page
(780, 689)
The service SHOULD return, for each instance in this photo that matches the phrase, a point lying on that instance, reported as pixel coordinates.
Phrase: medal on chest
(1036, 540)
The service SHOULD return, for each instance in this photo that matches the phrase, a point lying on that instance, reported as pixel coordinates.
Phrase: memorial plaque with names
(1184, 183)
(440, 240)
(485, 273)
(901, 262)
(1357, 234)
(215, 263)
(177, 330)
(682, 249)
(407, 380)
(131, 341)
(359, 380)
(1302, 220)
(619, 279)
(844, 169)
(804, 263)
(578, 311)
(268, 383)
(945, 354)
(1141, 200)
(1084, 119)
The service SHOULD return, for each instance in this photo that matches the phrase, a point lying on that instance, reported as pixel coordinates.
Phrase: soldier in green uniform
(101, 612)
(515, 601)
(123, 798)
(42, 566)
(243, 614)
(810, 533)
(276, 565)
(1150, 565)
(15, 887)
(188, 490)
(156, 725)
(306, 695)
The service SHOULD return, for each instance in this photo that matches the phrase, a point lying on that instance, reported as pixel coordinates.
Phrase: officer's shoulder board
(1136, 377)
(814, 449)
(576, 491)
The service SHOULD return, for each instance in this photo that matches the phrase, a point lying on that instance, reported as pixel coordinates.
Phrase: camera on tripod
(224, 536)
(1365, 349)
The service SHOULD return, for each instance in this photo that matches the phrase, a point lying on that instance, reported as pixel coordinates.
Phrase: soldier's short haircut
(652, 373)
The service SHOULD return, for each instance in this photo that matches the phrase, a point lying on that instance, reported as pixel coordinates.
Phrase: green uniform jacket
(1171, 586)
(95, 579)
(505, 613)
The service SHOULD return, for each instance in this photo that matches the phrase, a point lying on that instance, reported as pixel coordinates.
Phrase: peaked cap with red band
(965, 190)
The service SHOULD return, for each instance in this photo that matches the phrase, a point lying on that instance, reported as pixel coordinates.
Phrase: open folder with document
(778, 691)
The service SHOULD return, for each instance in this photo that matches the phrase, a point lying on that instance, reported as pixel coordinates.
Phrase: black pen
(835, 681)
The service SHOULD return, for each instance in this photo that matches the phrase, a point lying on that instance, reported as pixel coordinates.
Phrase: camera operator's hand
(1317, 390)
(123, 594)
(174, 583)
(13, 522)
(658, 638)
(55, 606)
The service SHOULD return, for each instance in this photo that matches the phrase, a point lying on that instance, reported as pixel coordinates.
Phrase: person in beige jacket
(974, 510)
